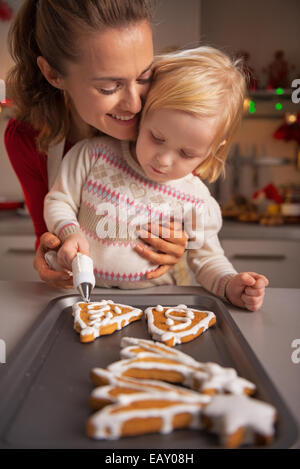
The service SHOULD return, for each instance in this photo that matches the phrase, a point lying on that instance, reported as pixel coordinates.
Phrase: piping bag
(82, 270)
(83, 275)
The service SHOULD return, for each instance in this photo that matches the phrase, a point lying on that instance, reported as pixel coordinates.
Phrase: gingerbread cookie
(131, 402)
(131, 347)
(117, 387)
(154, 367)
(177, 324)
(239, 420)
(95, 319)
(144, 413)
(209, 378)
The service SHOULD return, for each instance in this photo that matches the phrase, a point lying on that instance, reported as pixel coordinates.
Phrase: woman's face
(109, 83)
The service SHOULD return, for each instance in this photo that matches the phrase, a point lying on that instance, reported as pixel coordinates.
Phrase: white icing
(142, 385)
(169, 322)
(87, 331)
(228, 412)
(231, 412)
(155, 388)
(102, 314)
(155, 363)
(178, 331)
(129, 343)
(186, 319)
(104, 419)
(208, 375)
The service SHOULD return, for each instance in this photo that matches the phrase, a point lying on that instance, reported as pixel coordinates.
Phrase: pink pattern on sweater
(117, 277)
(108, 156)
(109, 241)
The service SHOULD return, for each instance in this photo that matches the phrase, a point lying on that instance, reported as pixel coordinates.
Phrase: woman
(81, 68)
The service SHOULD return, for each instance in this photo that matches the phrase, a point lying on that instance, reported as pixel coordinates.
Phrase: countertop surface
(270, 332)
(242, 230)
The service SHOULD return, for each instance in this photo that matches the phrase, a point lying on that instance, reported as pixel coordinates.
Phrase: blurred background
(260, 196)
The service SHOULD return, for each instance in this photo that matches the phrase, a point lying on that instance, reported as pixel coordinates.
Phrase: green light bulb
(252, 109)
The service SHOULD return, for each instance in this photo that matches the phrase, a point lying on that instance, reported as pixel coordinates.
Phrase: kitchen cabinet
(278, 260)
(16, 258)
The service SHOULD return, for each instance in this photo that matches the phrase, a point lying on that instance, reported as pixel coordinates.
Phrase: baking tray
(45, 386)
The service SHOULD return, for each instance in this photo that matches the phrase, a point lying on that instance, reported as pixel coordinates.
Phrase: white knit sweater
(102, 191)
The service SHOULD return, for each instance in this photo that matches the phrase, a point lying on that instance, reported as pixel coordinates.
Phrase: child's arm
(205, 256)
(213, 270)
(63, 201)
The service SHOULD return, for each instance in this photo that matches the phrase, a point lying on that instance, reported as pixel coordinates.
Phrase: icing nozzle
(83, 275)
(85, 290)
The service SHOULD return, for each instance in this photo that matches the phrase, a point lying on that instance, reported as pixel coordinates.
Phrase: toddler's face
(171, 144)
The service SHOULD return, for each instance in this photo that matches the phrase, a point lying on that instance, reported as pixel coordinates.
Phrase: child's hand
(247, 290)
(73, 244)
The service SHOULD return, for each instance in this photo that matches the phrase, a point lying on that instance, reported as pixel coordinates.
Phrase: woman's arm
(63, 201)
(30, 167)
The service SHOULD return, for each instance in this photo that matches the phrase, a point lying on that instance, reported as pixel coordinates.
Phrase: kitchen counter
(270, 332)
(241, 230)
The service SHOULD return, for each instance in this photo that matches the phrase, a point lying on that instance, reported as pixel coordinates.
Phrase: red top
(31, 169)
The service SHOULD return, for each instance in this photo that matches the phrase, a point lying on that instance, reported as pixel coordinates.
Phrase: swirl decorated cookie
(95, 319)
(177, 324)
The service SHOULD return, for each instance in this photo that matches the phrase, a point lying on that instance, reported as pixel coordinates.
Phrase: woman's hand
(54, 278)
(162, 245)
(247, 290)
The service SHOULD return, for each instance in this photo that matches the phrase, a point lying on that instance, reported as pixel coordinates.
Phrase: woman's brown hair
(47, 28)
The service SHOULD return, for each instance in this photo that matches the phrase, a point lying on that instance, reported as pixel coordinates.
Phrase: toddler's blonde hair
(203, 82)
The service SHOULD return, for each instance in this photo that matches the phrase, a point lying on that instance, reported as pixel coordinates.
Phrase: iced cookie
(240, 420)
(95, 319)
(177, 324)
(144, 413)
(154, 367)
(131, 347)
(209, 377)
(116, 387)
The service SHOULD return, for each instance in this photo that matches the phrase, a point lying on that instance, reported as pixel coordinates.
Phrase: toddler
(107, 191)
